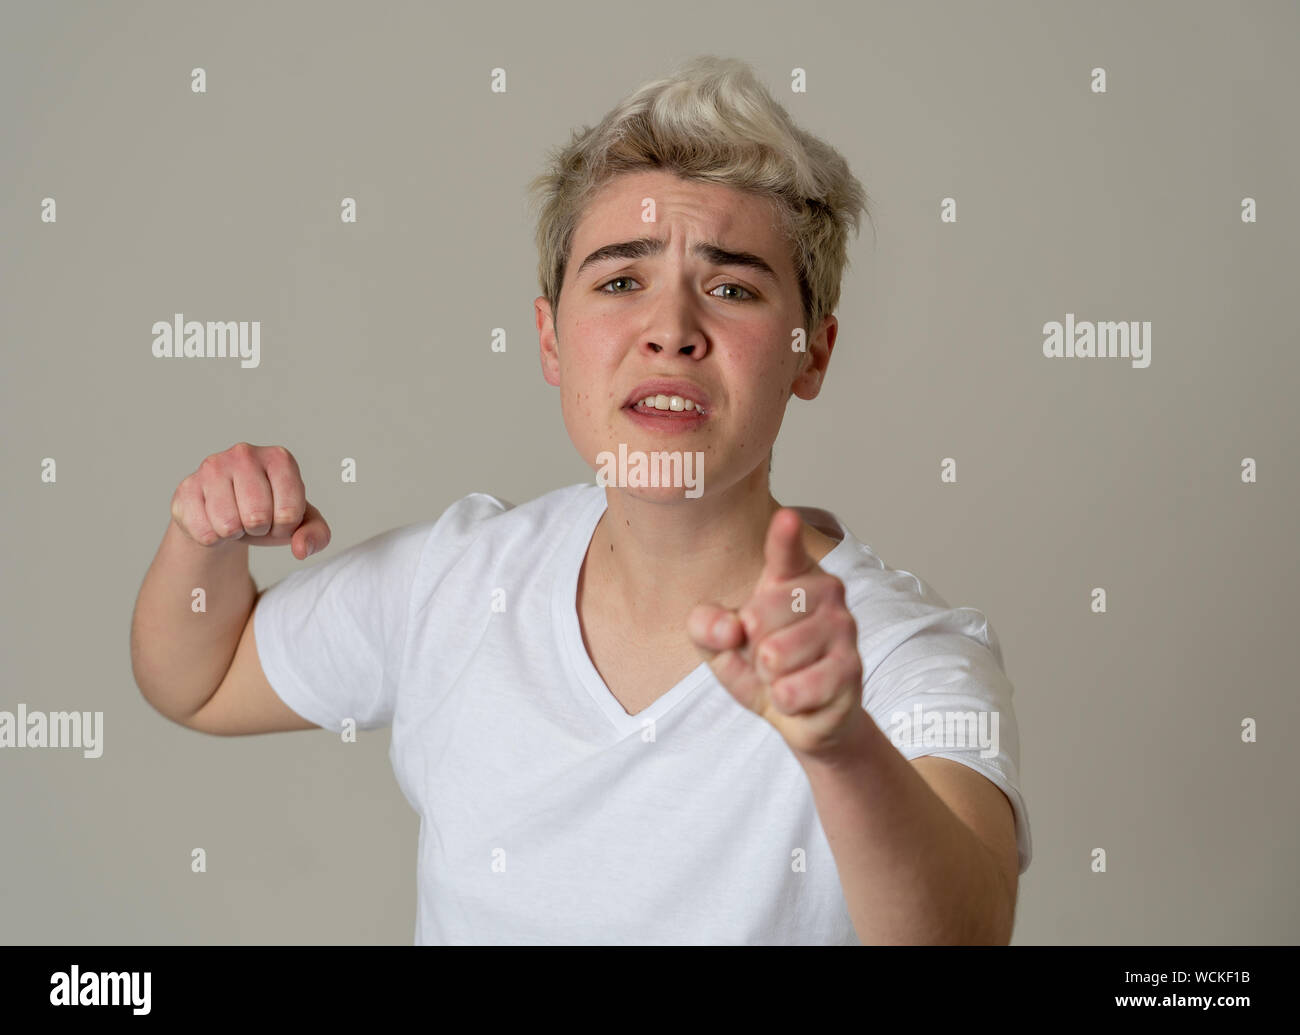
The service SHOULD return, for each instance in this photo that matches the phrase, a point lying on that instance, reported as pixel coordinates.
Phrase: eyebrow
(709, 251)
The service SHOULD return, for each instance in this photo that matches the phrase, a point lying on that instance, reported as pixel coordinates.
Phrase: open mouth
(668, 408)
(653, 420)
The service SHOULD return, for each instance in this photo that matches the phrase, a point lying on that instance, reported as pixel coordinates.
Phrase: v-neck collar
(568, 630)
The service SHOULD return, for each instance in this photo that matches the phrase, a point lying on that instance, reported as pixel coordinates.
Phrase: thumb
(312, 536)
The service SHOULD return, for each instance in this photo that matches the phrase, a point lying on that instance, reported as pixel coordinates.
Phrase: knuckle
(787, 687)
(224, 520)
(848, 658)
(842, 622)
(279, 457)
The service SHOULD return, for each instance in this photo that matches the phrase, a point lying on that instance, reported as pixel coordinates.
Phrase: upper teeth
(670, 402)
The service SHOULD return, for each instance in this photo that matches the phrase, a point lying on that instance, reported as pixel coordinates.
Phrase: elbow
(1003, 921)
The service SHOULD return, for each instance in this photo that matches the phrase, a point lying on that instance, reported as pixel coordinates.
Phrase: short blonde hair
(710, 120)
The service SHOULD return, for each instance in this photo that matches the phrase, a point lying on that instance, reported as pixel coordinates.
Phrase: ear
(818, 357)
(549, 344)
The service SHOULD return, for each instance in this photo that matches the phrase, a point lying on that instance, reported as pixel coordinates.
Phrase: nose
(679, 331)
(685, 350)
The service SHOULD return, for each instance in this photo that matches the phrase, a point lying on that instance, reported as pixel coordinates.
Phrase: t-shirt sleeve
(330, 637)
(934, 682)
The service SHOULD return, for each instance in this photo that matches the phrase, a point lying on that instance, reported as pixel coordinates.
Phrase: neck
(653, 562)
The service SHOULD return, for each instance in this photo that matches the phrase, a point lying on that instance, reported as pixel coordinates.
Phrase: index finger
(784, 554)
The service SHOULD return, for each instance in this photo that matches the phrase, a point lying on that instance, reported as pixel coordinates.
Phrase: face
(720, 324)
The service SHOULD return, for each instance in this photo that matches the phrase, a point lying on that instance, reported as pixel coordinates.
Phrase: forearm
(178, 655)
(911, 871)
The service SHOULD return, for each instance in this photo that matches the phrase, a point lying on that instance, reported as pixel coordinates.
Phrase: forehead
(713, 210)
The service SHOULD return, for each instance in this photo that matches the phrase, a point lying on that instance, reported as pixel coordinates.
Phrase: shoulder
(481, 513)
(481, 531)
(893, 605)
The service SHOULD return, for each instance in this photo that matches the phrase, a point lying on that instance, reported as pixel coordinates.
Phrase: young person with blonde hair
(623, 713)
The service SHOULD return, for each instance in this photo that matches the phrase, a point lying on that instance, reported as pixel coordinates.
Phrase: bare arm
(200, 668)
(179, 656)
(926, 852)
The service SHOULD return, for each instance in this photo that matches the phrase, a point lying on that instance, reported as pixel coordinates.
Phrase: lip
(669, 386)
(670, 422)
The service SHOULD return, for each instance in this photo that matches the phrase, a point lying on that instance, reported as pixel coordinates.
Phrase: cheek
(586, 395)
(775, 376)
(580, 405)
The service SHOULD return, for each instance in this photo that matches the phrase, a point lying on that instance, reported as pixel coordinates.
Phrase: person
(624, 712)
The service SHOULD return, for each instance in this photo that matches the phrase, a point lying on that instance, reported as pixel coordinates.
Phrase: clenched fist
(254, 493)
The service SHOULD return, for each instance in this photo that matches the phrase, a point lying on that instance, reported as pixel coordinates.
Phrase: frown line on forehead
(710, 251)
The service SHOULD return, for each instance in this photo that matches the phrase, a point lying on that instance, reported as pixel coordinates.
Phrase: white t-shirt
(547, 813)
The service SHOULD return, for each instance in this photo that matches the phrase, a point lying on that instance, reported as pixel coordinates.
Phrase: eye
(608, 282)
(738, 287)
(749, 295)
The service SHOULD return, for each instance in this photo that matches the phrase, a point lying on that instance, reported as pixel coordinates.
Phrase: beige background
(375, 345)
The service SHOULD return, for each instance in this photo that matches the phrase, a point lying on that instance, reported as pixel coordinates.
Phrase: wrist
(854, 742)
